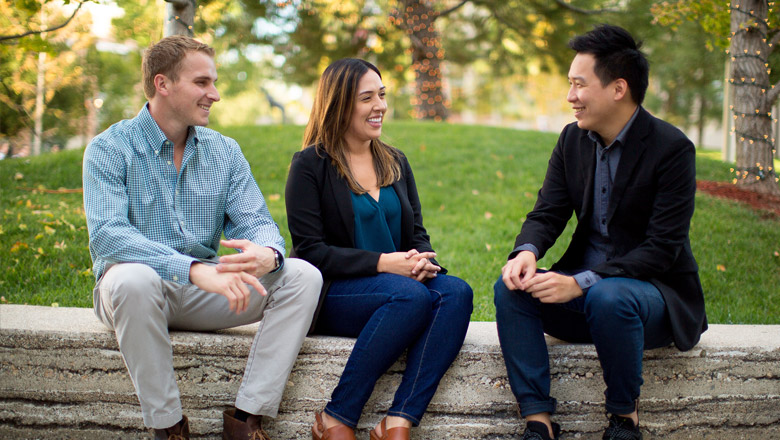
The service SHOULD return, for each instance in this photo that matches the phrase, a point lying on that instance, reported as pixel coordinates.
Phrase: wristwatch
(277, 260)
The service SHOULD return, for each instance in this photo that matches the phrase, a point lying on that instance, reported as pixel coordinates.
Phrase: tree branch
(773, 93)
(775, 40)
(452, 9)
(13, 37)
(573, 8)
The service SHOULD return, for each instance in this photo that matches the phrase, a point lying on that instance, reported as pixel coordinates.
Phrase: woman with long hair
(353, 211)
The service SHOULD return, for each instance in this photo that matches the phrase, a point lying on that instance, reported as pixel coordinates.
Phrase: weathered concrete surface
(61, 376)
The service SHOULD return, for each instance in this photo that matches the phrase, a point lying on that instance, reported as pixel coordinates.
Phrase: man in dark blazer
(628, 280)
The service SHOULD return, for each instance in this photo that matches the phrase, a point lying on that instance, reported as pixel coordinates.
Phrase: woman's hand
(412, 264)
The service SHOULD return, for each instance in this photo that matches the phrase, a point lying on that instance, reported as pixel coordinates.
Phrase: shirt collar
(154, 134)
(621, 137)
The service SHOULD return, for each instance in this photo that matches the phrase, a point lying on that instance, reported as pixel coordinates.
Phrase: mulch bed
(763, 202)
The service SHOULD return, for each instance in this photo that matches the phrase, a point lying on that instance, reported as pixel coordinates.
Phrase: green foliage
(476, 185)
(64, 80)
(713, 16)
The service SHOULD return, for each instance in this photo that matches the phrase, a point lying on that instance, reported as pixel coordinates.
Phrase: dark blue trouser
(621, 316)
(388, 314)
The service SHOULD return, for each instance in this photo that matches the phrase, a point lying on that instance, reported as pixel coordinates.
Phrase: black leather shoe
(539, 431)
(621, 428)
(179, 431)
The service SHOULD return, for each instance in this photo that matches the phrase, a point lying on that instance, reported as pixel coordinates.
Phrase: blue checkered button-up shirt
(140, 209)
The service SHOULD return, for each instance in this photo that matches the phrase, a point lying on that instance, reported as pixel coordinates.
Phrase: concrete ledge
(61, 376)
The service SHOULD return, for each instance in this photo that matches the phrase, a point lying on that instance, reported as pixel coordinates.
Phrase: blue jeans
(388, 314)
(620, 316)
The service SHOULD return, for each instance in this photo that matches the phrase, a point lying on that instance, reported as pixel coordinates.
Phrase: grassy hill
(476, 185)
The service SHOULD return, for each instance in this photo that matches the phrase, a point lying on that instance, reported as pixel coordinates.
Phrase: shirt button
(603, 158)
(177, 192)
(175, 278)
(603, 190)
(603, 222)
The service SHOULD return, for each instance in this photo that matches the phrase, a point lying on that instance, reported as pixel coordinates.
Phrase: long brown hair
(330, 118)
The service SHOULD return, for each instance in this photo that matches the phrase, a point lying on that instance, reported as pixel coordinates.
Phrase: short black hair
(617, 55)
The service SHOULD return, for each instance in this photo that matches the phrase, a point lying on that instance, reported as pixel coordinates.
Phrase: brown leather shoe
(398, 433)
(338, 432)
(179, 431)
(234, 429)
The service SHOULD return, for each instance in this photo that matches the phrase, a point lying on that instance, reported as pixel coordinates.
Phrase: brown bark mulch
(763, 202)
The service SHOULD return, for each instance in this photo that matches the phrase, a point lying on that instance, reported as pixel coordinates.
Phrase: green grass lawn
(476, 185)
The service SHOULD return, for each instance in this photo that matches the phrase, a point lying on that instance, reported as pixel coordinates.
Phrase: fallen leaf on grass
(274, 197)
(3, 300)
(18, 176)
(721, 268)
(61, 245)
(499, 174)
(48, 230)
(22, 226)
(488, 246)
(18, 246)
(488, 215)
(55, 304)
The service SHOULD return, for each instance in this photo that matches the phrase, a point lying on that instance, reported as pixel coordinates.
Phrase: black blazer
(322, 222)
(648, 216)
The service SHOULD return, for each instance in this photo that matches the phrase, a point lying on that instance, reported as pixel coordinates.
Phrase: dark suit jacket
(649, 215)
(322, 222)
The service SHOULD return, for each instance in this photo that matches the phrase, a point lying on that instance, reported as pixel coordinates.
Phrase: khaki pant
(140, 307)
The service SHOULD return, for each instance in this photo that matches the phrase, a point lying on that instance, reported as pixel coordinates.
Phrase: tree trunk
(418, 20)
(39, 95)
(39, 104)
(181, 17)
(752, 98)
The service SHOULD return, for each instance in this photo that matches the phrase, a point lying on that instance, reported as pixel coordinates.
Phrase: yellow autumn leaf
(721, 268)
(499, 174)
(60, 245)
(1, 230)
(39, 236)
(28, 203)
(55, 304)
(488, 215)
(18, 176)
(40, 251)
(22, 226)
(49, 230)
(18, 246)
(274, 197)
(488, 246)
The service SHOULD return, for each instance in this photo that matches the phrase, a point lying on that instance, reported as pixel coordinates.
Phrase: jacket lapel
(633, 151)
(587, 159)
(341, 194)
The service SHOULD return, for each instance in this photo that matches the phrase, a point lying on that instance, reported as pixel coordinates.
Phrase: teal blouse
(377, 223)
